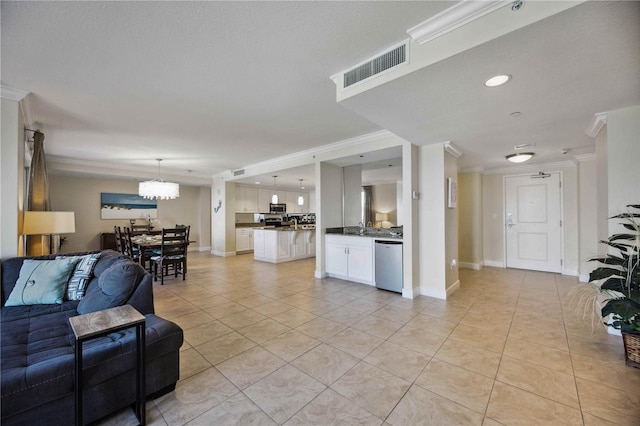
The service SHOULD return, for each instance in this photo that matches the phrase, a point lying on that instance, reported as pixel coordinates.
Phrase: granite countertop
(354, 231)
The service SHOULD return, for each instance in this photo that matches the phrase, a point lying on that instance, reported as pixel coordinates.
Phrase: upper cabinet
(251, 199)
(246, 199)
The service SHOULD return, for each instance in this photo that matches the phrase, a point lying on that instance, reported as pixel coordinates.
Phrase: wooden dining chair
(173, 254)
(188, 228)
(140, 229)
(128, 245)
(119, 242)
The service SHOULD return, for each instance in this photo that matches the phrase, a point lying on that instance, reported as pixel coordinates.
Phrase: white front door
(533, 226)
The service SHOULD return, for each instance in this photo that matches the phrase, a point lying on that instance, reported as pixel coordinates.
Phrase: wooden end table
(98, 324)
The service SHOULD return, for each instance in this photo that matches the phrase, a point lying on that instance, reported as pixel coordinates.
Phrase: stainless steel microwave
(277, 208)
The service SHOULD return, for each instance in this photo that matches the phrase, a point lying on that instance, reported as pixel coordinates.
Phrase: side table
(98, 324)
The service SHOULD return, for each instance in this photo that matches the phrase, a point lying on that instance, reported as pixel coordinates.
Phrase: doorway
(533, 222)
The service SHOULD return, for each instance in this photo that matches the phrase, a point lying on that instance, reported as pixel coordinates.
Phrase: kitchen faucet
(295, 223)
(361, 225)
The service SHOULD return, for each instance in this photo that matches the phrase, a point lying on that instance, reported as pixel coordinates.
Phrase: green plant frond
(626, 309)
(600, 273)
(629, 216)
(609, 260)
(634, 206)
(623, 237)
(629, 226)
(620, 246)
(614, 284)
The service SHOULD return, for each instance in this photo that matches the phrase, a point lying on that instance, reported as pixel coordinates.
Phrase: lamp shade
(48, 223)
(159, 189)
(381, 217)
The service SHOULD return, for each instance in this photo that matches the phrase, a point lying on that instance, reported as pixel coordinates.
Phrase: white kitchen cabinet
(350, 258)
(246, 199)
(258, 243)
(244, 239)
(275, 246)
(264, 198)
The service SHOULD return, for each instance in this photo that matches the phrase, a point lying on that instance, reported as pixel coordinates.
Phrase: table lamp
(381, 217)
(48, 223)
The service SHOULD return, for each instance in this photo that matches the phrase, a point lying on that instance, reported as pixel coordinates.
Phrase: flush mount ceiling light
(497, 80)
(520, 157)
(158, 189)
(274, 197)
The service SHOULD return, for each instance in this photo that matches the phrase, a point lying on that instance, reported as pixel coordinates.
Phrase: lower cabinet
(275, 246)
(350, 258)
(244, 239)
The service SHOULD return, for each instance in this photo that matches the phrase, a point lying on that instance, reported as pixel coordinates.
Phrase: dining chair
(188, 228)
(140, 229)
(133, 252)
(173, 254)
(119, 243)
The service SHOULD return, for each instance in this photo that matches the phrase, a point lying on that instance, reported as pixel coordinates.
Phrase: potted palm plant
(619, 278)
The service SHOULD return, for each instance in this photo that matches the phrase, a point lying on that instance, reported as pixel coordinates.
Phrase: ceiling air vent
(238, 172)
(386, 61)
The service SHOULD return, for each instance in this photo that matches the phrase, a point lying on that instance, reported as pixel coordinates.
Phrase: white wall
(588, 214)
(451, 224)
(11, 178)
(602, 189)
(470, 237)
(352, 186)
(82, 196)
(329, 208)
(432, 223)
(623, 150)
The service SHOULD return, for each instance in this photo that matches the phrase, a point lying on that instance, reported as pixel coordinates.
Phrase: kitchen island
(277, 245)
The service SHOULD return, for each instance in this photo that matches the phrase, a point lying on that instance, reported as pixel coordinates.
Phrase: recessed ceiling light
(257, 183)
(497, 80)
(520, 157)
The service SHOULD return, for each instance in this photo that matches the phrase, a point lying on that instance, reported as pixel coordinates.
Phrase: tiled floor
(269, 344)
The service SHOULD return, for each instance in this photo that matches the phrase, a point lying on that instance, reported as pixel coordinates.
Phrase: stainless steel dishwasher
(389, 265)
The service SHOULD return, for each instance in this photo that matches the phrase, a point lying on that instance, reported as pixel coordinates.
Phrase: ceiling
(207, 86)
(216, 86)
(564, 70)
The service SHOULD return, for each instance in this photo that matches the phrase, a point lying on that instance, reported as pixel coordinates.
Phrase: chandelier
(158, 188)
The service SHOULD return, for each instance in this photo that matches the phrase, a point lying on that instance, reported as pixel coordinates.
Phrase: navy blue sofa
(37, 350)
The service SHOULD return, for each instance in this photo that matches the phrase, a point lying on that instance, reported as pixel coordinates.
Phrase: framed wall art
(127, 206)
(452, 193)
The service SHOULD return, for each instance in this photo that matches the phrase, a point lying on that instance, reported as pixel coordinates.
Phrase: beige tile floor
(269, 344)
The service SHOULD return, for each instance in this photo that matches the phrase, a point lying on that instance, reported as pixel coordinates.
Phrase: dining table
(146, 242)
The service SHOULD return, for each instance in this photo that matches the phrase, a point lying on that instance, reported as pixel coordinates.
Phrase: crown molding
(585, 157)
(452, 18)
(599, 120)
(529, 168)
(452, 149)
(12, 93)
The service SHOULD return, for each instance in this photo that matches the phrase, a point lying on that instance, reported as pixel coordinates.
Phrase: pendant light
(274, 197)
(300, 197)
(158, 189)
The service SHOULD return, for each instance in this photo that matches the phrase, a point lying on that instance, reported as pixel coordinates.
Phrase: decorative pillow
(81, 275)
(41, 282)
(114, 287)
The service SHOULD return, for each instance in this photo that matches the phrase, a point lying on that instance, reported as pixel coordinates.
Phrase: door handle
(510, 223)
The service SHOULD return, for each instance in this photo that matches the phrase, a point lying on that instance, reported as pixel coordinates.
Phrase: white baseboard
(453, 288)
(200, 249)
(438, 294)
(320, 275)
(493, 263)
(408, 293)
(469, 265)
(584, 278)
(570, 272)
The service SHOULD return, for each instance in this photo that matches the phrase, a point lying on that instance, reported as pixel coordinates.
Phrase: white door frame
(504, 219)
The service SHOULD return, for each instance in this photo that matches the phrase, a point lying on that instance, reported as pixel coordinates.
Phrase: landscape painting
(127, 206)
